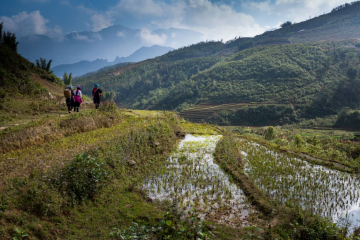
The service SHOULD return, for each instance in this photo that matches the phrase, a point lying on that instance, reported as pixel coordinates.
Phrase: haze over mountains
(83, 67)
(109, 43)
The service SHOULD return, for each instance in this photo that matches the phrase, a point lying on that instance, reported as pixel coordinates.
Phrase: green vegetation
(67, 79)
(270, 133)
(316, 77)
(169, 227)
(43, 64)
(61, 190)
(26, 91)
(8, 39)
(333, 148)
(302, 81)
(286, 24)
(118, 174)
(290, 221)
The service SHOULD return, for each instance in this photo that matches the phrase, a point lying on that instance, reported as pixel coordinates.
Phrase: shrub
(169, 227)
(84, 177)
(39, 198)
(298, 140)
(270, 133)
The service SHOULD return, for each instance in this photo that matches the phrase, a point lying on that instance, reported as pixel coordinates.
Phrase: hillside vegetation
(303, 80)
(313, 79)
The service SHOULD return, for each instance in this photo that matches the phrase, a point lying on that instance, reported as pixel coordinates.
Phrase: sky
(216, 19)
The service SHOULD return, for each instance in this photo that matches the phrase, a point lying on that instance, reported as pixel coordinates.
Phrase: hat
(70, 87)
(96, 85)
(78, 87)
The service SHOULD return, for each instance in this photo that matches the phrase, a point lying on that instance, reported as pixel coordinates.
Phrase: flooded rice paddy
(194, 181)
(323, 191)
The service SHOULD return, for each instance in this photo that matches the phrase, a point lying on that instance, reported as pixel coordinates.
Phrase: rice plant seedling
(290, 180)
(194, 181)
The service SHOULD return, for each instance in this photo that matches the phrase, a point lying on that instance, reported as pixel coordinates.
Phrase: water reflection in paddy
(195, 181)
(324, 191)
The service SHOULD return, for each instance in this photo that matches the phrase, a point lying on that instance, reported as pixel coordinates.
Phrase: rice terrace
(172, 135)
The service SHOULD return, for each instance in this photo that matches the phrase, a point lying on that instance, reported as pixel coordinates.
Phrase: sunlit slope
(340, 24)
(306, 75)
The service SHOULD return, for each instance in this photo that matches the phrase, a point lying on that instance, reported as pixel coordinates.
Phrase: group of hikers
(74, 100)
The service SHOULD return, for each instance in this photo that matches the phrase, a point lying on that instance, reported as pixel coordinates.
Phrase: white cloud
(211, 19)
(65, 3)
(262, 6)
(34, 0)
(295, 10)
(142, 7)
(79, 37)
(120, 34)
(25, 24)
(300, 10)
(101, 21)
(149, 38)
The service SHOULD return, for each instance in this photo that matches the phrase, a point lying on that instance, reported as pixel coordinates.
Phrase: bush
(169, 227)
(84, 177)
(298, 140)
(270, 133)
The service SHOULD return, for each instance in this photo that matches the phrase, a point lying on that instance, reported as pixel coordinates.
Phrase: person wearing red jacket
(96, 95)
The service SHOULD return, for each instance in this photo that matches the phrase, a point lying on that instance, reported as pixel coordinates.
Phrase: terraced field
(203, 111)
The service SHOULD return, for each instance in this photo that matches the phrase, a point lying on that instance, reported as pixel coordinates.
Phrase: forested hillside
(314, 79)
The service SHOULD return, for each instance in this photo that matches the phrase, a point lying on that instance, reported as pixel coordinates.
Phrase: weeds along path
(293, 181)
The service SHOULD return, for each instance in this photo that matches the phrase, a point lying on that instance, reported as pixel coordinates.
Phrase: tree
(8, 39)
(67, 79)
(286, 24)
(43, 64)
(109, 96)
(352, 73)
(1, 35)
(270, 133)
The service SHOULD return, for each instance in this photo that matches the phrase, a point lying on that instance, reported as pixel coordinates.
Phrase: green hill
(25, 90)
(312, 79)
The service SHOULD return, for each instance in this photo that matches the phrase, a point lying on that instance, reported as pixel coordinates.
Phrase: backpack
(67, 93)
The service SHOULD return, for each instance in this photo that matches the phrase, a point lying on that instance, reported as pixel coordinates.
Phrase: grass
(333, 148)
(38, 181)
(204, 111)
(117, 203)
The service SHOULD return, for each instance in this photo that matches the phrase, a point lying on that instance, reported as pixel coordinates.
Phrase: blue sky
(216, 19)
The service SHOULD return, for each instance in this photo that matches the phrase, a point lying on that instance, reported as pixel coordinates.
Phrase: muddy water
(194, 181)
(327, 192)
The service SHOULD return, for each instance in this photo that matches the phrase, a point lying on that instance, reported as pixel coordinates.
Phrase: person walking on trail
(69, 98)
(77, 98)
(96, 95)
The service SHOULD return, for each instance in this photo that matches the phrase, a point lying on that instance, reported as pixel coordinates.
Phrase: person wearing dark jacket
(96, 95)
(70, 100)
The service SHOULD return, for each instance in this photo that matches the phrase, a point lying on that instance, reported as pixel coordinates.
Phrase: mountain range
(108, 43)
(83, 67)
